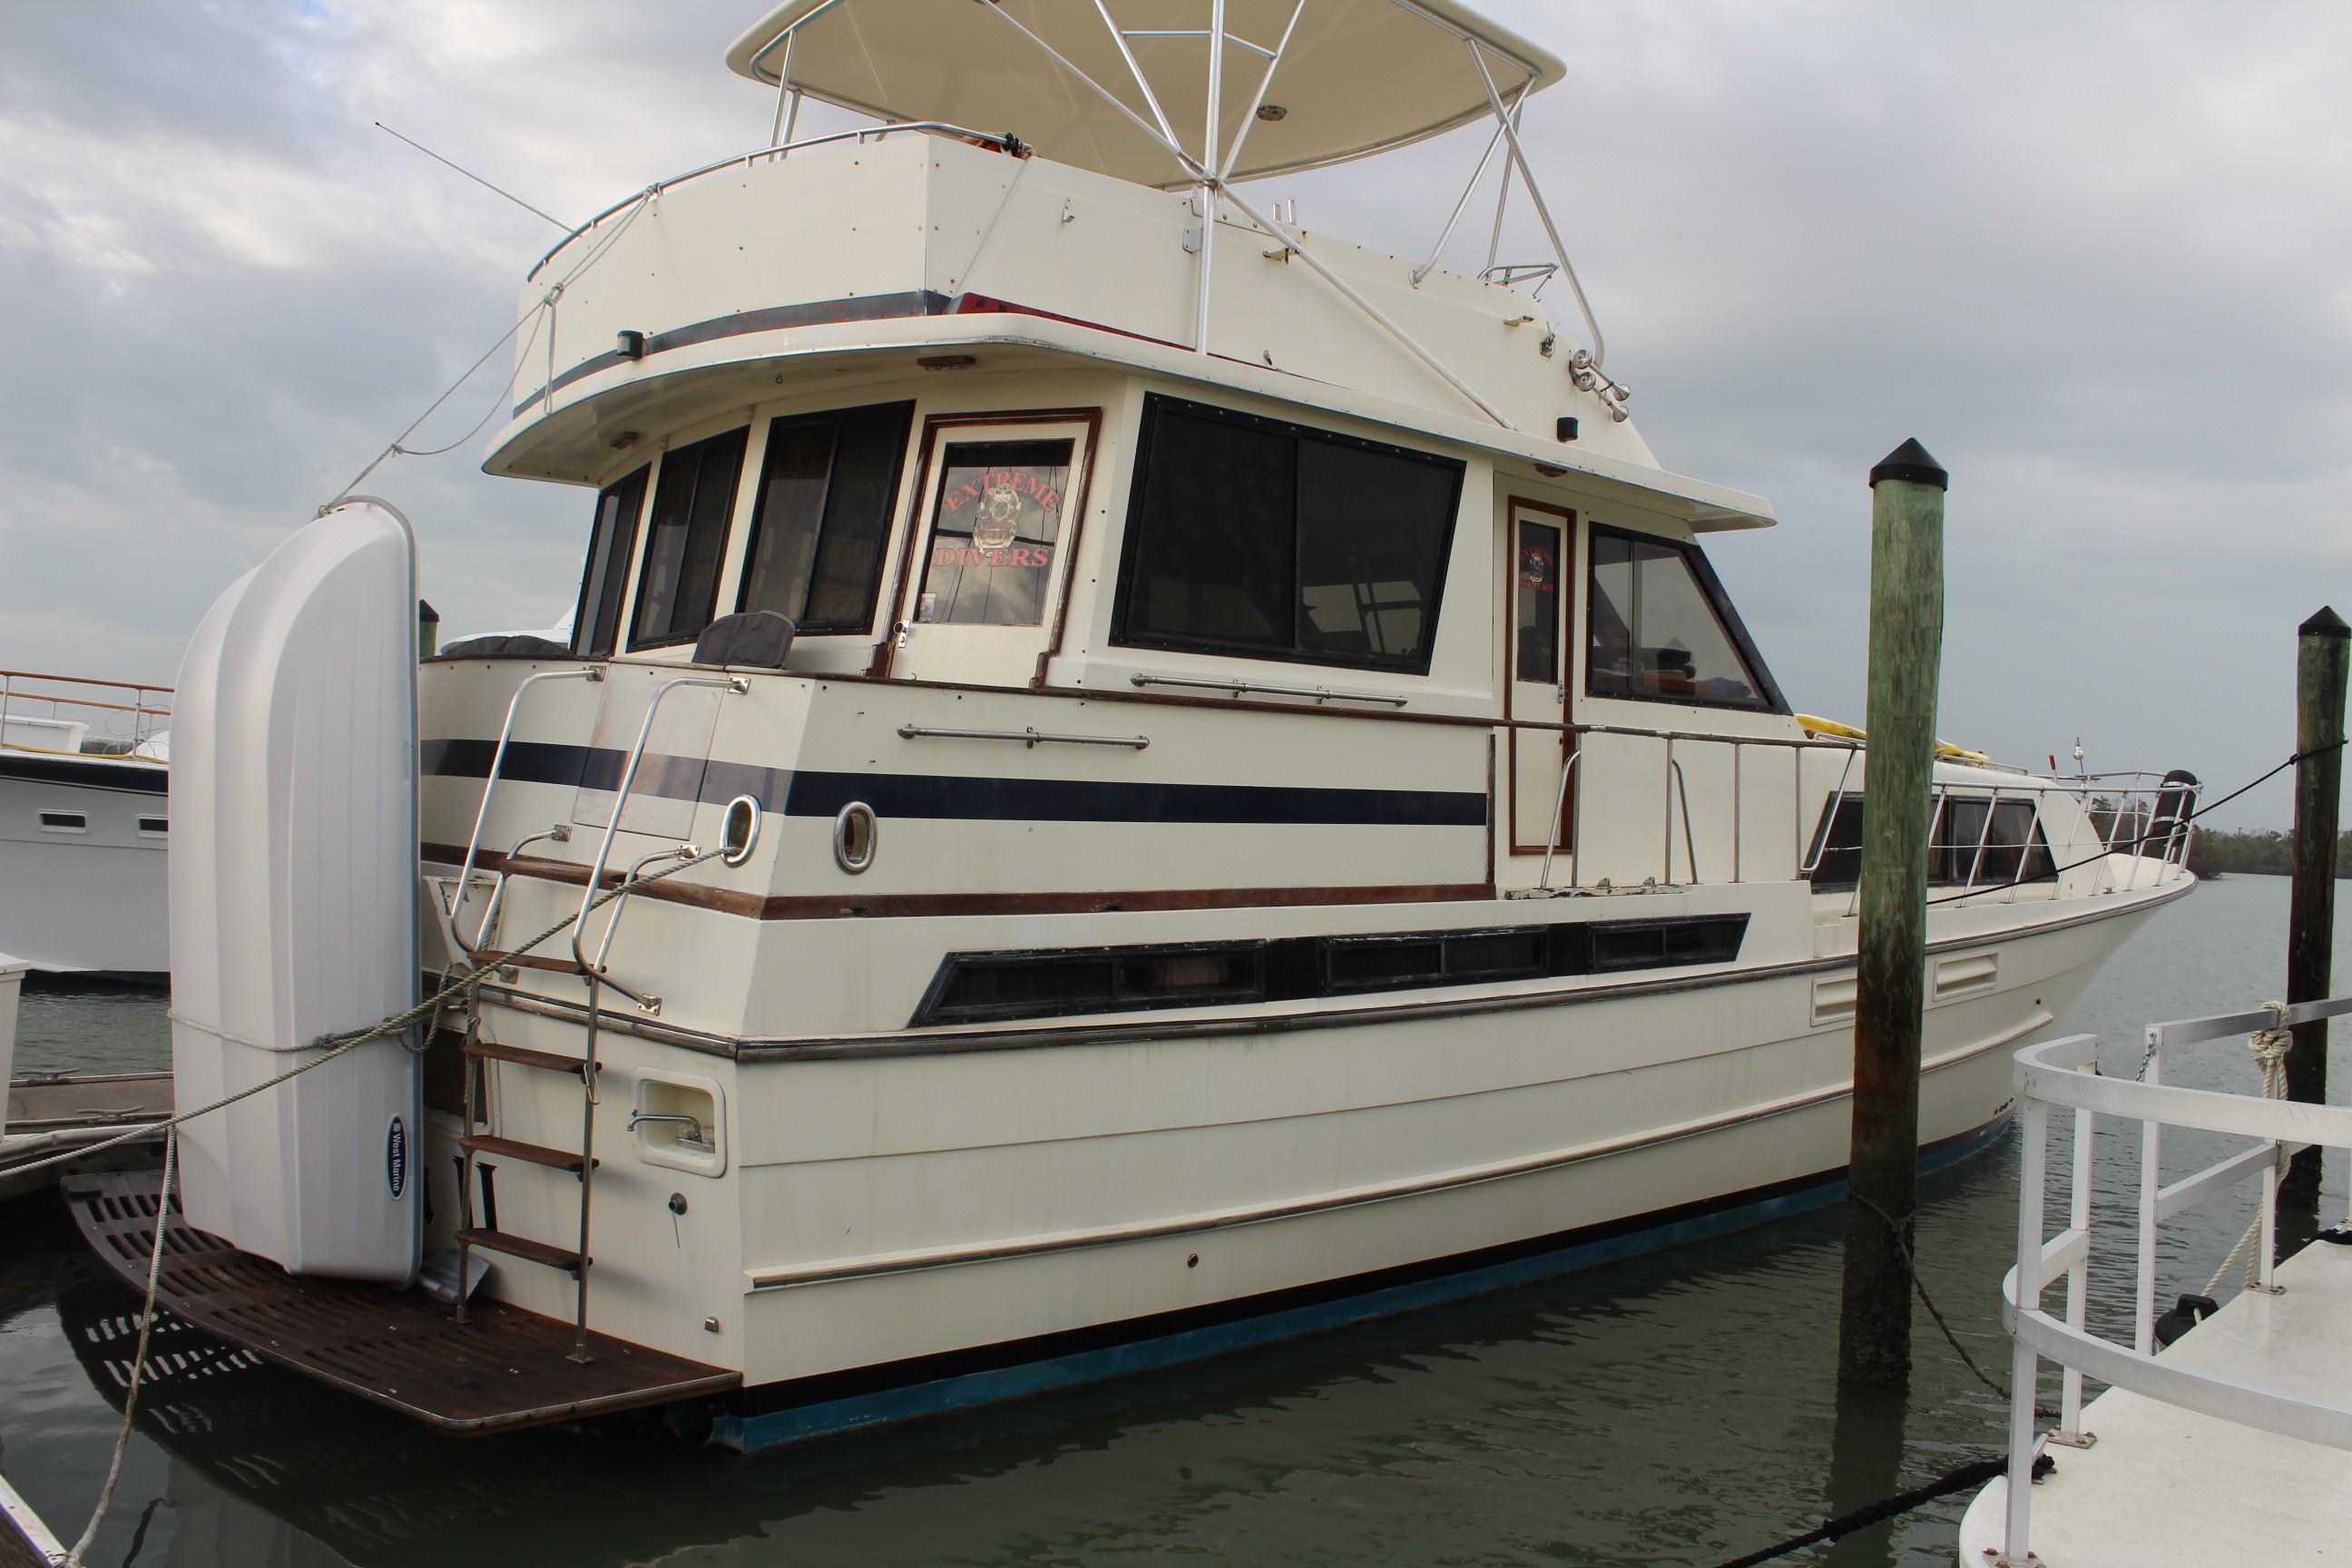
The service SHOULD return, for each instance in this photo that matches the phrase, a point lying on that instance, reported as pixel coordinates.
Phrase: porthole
(740, 830)
(65, 822)
(154, 826)
(855, 832)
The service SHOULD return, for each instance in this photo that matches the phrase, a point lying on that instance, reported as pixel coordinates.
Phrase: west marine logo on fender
(395, 1158)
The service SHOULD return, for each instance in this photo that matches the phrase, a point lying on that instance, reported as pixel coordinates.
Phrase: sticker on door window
(994, 532)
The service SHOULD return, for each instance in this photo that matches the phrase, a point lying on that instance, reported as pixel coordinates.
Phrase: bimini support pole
(1535, 194)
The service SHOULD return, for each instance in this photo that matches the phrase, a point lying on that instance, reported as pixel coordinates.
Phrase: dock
(51, 1114)
(504, 1369)
(2164, 1484)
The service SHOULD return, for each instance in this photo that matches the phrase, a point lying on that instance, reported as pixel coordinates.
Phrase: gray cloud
(2092, 256)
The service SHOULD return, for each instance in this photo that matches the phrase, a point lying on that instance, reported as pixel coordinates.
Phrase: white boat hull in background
(86, 897)
(293, 869)
(12, 978)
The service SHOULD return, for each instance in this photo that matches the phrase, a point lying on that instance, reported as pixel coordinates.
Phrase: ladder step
(524, 1248)
(523, 1056)
(537, 1155)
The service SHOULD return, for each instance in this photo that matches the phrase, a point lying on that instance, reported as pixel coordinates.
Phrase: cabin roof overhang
(575, 442)
(1348, 78)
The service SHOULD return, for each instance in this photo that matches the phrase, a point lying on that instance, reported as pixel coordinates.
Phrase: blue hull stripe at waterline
(821, 1416)
(959, 798)
(128, 778)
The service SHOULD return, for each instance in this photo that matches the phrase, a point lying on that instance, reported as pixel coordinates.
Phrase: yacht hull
(81, 879)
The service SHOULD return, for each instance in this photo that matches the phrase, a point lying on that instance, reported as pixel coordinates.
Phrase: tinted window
(596, 627)
(1534, 595)
(678, 591)
(1250, 536)
(994, 531)
(822, 516)
(1964, 848)
(1660, 630)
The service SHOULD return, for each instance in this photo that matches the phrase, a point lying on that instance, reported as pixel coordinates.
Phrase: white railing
(128, 712)
(2064, 1074)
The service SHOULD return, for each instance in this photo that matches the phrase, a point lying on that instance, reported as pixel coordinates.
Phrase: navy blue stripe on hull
(127, 778)
(959, 798)
(778, 1414)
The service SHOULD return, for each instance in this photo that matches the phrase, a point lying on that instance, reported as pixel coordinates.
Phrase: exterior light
(1270, 112)
(629, 344)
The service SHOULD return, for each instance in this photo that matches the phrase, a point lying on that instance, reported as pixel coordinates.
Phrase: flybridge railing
(129, 712)
(2064, 1074)
(2150, 824)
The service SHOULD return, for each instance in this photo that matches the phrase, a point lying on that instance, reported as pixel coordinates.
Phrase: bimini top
(1348, 77)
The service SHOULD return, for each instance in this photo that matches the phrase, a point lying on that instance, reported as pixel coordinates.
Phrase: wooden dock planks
(506, 1369)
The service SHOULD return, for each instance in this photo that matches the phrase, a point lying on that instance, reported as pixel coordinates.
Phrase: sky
(2096, 256)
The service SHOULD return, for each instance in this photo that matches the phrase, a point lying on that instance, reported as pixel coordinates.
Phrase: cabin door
(1537, 655)
(982, 598)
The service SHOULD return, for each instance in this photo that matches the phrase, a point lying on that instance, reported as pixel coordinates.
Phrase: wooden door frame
(1564, 828)
(935, 428)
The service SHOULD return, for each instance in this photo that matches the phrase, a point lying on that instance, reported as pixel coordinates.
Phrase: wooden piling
(2323, 652)
(429, 629)
(1906, 640)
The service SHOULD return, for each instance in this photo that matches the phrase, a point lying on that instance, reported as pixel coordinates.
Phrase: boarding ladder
(575, 1260)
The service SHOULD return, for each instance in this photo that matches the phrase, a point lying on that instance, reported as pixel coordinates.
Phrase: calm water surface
(1676, 1409)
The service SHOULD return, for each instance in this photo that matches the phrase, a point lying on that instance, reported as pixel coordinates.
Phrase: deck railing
(2064, 1074)
(131, 712)
(2144, 818)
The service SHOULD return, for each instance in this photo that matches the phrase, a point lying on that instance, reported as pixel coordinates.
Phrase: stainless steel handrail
(733, 683)
(941, 127)
(1031, 738)
(1238, 688)
(589, 673)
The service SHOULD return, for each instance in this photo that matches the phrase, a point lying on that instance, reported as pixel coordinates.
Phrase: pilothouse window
(678, 591)
(826, 490)
(596, 628)
(1660, 629)
(1273, 540)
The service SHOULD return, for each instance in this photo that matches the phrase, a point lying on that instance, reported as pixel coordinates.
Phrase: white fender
(292, 886)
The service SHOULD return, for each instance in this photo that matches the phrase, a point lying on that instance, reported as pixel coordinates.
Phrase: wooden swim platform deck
(25, 1540)
(505, 1369)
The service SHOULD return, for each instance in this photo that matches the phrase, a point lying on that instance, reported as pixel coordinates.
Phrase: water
(1676, 1409)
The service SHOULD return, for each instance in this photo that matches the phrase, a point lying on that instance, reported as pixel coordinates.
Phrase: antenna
(478, 179)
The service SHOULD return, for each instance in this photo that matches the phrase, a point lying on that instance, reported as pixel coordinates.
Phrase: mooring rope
(2270, 1047)
(334, 1045)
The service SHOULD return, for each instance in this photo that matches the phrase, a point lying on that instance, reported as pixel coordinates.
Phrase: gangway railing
(2065, 1075)
(457, 900)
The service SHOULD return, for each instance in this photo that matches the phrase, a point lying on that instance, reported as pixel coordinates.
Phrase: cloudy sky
(2098, 257)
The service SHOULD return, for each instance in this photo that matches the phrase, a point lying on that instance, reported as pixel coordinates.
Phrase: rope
(2057, 871)
(139, 1361)
(1970, 1476)
(339, 1045)
(1903, 1250)
(2270, 1047)
(468, 985)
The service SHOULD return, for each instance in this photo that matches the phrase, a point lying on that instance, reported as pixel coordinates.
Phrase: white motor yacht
(1131, 777)
(84, 772)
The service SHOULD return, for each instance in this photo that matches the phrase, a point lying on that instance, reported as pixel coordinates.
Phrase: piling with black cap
(429, 629)
(2323, 652)
(1906, 643)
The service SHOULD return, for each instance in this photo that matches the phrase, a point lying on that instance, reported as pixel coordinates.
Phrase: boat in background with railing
(84, 772)
(2220, 1435)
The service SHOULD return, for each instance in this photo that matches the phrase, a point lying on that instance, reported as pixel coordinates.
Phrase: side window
(1273, 540)
(686, 539)
(823, 514)
(995, 526)
(1662, 630)
(596, 626)
(1963, 849)
(1836, 853)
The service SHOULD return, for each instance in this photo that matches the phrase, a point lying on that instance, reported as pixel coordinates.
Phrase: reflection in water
(1674, 1409)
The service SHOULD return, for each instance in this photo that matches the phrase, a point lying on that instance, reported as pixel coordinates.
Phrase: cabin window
(154, 826)
(1272, 541)
(65, 822)
(1537, 600)
(1963, 849)
(1661, 629)
(822, 515)
(596, 627)
(995, 526)
(678, 590)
